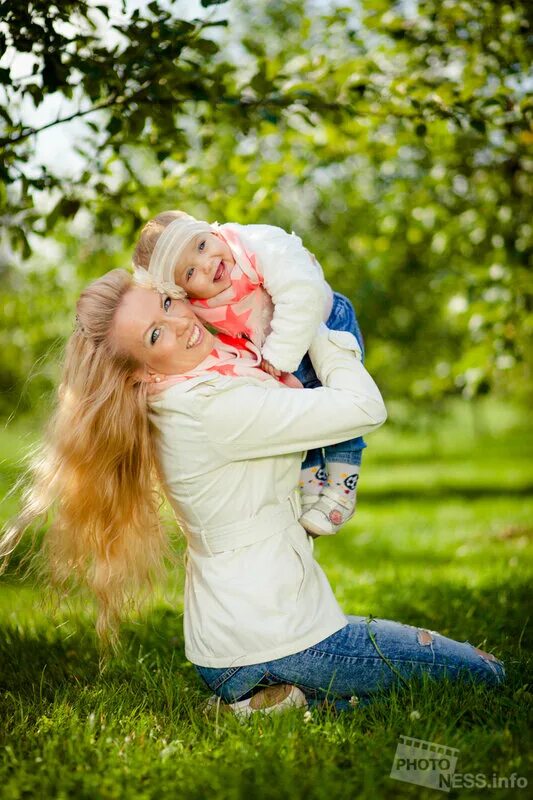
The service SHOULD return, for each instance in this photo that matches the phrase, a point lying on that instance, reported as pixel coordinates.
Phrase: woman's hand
(267, 367)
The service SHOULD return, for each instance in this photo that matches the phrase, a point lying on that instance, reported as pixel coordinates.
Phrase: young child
(259, 282)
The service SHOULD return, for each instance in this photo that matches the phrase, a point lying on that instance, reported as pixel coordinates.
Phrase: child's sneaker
(328, 514)
(271, 699)
(307, 501)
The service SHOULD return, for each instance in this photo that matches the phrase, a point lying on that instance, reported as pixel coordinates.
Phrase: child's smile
(204, 267)
(221, 270)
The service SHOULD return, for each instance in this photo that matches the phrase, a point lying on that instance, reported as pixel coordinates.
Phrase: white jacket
(230, 451)
(294, 280)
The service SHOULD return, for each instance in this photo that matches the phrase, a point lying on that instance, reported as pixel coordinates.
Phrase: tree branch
(114, 100)
(76, 115)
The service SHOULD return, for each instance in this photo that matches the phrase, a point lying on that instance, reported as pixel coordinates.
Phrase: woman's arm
(254, 421)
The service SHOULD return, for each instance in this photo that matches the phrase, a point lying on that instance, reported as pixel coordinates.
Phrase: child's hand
(267, 367)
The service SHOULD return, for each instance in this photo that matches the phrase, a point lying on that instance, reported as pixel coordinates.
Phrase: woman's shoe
(270, 700)
(328, 513)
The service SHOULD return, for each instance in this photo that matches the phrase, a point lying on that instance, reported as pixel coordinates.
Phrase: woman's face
(161, 333)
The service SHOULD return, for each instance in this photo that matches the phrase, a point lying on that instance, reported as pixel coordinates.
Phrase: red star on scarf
(242, 286)
(237, 323)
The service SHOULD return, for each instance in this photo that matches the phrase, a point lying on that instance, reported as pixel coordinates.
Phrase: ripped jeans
(361, 659)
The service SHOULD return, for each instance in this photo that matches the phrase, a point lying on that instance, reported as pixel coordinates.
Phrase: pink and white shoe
(307, 501)
(328, 514)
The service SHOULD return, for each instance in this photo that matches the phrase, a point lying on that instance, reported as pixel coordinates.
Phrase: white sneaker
(307, 501)
(328, 514)
(270, 700)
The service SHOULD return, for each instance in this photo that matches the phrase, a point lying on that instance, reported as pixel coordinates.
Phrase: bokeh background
(396, 139)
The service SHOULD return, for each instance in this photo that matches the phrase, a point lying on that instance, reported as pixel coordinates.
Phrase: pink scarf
(245, 307)
(230, 356)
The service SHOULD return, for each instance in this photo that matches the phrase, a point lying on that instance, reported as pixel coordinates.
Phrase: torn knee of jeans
(485, 656)
(424, 637)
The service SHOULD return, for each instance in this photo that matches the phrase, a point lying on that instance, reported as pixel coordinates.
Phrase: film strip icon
(429, 747)
(424, 763)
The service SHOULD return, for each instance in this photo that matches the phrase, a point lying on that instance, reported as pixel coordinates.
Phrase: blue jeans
(342, 318)
(363, 658)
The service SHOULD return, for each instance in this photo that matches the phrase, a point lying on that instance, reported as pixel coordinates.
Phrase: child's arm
(294, 280)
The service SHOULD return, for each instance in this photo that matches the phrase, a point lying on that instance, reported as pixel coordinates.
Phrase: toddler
(259, 282)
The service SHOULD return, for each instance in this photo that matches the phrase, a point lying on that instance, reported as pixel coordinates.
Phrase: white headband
(168, 248)
(171, 244)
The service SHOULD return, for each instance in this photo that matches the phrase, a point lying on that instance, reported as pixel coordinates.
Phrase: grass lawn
(442, 539)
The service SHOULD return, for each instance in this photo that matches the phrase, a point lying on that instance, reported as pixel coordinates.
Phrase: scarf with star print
(230, 356)
(244, 308)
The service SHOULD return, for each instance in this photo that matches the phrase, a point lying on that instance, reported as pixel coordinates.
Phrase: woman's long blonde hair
(96, 470)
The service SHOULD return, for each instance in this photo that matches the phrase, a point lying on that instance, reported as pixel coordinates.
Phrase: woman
(142, 374)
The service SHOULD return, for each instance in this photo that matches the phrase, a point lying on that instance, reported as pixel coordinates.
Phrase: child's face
(204, 267)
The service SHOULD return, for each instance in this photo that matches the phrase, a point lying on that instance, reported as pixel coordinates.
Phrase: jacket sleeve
(297, 288)
(244, 421)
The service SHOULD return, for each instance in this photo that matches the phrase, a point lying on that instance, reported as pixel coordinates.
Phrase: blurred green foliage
(395, 138)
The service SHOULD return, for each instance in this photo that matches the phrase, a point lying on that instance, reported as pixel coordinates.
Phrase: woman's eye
(167, 303)
(155, 335)
(189, 273)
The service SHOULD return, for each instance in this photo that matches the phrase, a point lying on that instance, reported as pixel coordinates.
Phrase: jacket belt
(269, 520)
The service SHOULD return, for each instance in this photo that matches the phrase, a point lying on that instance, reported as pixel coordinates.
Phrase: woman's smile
(196, 336)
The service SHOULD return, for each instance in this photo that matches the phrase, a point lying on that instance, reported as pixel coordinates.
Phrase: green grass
(442, 539)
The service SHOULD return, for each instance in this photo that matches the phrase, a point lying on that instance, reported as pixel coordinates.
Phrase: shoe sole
(314, 530)
(272, 699)
(271, 696)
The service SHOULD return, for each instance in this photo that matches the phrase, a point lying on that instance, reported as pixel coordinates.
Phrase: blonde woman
(147, 390)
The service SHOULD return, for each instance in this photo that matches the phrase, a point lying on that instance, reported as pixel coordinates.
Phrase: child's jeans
(342, 318)
(352, 665)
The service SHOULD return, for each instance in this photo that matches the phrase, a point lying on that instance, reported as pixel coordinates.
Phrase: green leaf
(114, 125)
(260, 83)
(66, 207)
(205, 46)
(479, 125)
(254, 46)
